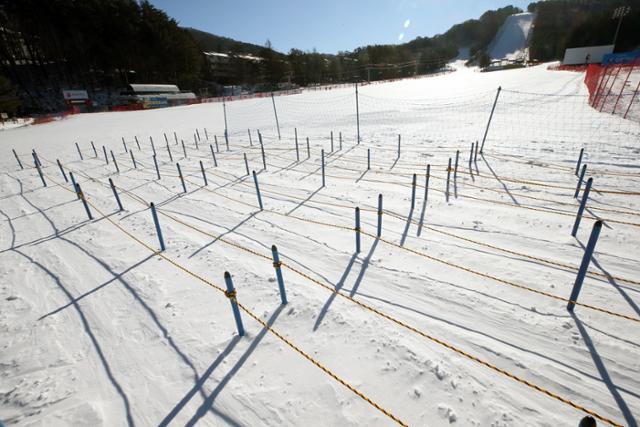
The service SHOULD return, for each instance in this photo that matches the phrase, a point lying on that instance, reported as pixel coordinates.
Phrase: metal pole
(398, 146)
(84, 201)
(322, 156)
(166, 140)
(73, 184)
(584, 265)
(255, 180)
(340, 139)
(169, 151)
(157, 223)
(153, 147)
(379, 233)
(357, 113)
(368, 159)
(332, 141)
(475, 156)
(204, 175)
(484, 138)
(246, 163)
(226, 139)
(604, 101)
(133, 160)
(44, 183)
(224, 111)
(357, 229)
(297, 148)
(215, 139)
(413, 192)
(215, 162)
(106, 159)
(264, 158)
(125, 145)
(35, 156)
(579, 161)
(155, 162)
(195, 140)
(624, 85)
(633, 97)
(137, 143)
(584, 170)
(426, 184)
(206, 134)
(95, 152)
(79, 152)
(115, 194)
(17, 158)
(277, 265)
(583, 203)
(231, 294)
(448, 177)
(175, 137)
(198, 135)
(113, 157)
(455, 169)
(64, 175)
(184, 149)
(308, 149)
(184, 187)
(275, 112)
(250, 142)
(471, 153)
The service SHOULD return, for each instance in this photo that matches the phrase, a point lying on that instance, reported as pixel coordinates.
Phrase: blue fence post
(255, 180)
(17, 158)
(79, 152)
(84, 201)
(73, 183)
(580, 179)
(231, 294)
(95, 152)
(115, 162)
(368, 159)
(196, 141)
(204, 175)
(137, 142)
(297, 148)
(357, 230)
(169, 151)
(175, 137)
(322, 157)
(184, 187)
(215, 162)
(332, 141)
(35, 161)
(413, 191)
(184, 149)
(206, 134)
(426, 184)
(340, 139)
(155, 162)
(278, 266)
(104, 150)
(133, 160)
(379, 215)
(166, 140)
(308, 149)
(471, 153)
(153, 147)
(35, 156)
(246, 163)
(579, 161)
(586, 259)
(125, 145)
(197, 134)
(215, 140)
(250, 141)
(398, 145)
(115, 194)
(583, 203)
(475, 156)
(448, 178)
(455, 169)
(157, 224)
(64, 175)
(226, 138)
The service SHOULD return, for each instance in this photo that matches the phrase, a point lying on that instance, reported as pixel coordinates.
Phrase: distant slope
(211, 42)
(512, 40)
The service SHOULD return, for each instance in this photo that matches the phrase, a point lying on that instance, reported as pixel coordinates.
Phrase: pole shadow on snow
(363, 268)
(337, 288)
(304, 201)
(209, 401)
(422, 212)
(498, 179)
(604, 373)
(406, 227)
(229, 231)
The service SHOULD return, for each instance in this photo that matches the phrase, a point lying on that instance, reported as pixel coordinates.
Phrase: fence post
(137, 143)
(246, 163)
(484, 138)
(448, 178)
(250, 142)
(579, 160)
(115, 194)
(184, 187)
(277, 265)
(624, 85)
(584, 265)
(95, 152)
(73, 183)
(297, 149)
(215, 162)
(413, 192)
(215, 139)
(255, 180)
(184, 149)
(169, 151)
(17, 158)
(198, 135)
(426, 184)
(379, 215)
(471, 153)
(610, 87)
(357, 229)
(125, 145)
(157, 224)
(264, 158)
(175, 137)
(79, 152)
(84, 201)
(582, 172)
(206, 134)
(224, 111)
(368, 159)
(204, 175)
(231, 294)
(583, 203)
(226, 139)
(357, 113)
(153, 147)
(35, 161)
(275, 112)
(35, 156)
(106, 159)
(475, 156)
(398, 146)
(155, 162)
(133, 160)
(195, 140)
(308, 149)
(455, 169)
(322, 156)
(113, 157)
(340, 139)
(166, 140)
(332, 141)
(64, 175)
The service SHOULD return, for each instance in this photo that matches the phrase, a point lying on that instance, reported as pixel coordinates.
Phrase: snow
(512, 39)
(97, 330)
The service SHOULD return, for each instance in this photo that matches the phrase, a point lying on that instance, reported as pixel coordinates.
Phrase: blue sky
(327, 25)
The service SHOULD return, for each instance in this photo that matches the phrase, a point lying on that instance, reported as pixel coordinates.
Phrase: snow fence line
(232, 295)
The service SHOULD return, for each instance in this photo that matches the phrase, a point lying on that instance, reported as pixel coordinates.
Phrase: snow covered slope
(98, 329)
(512, 40)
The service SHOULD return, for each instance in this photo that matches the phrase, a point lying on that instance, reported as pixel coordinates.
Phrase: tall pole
(275, 113)
(490, 117)
(357, 113)
(224, 111)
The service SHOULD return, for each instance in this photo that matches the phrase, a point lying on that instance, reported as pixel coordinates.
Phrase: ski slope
(98, 329)
(512, 39)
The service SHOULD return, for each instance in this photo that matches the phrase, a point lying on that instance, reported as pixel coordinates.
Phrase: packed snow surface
(512, 39)
(99, 329)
